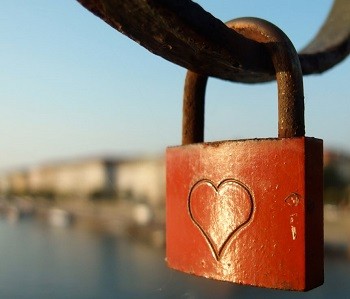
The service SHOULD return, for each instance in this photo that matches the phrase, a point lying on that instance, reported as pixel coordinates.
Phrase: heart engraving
(220, 211)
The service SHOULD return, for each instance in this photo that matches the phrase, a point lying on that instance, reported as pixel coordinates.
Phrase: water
(38, 261)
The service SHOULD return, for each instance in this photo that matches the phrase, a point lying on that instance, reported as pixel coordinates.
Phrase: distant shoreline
(117, 217)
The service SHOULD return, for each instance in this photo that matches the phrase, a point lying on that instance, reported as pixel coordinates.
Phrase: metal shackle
(288, 76)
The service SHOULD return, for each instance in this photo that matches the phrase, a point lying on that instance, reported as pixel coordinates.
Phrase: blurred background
(86, 117)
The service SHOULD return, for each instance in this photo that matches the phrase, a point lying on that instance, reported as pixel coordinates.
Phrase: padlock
(248, 211)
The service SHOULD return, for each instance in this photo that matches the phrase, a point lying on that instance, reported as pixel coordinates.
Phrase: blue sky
(72, 86)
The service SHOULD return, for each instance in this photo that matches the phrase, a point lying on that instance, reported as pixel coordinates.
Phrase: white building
(141, 179)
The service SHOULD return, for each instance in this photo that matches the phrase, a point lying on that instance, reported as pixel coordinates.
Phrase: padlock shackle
(288, 75)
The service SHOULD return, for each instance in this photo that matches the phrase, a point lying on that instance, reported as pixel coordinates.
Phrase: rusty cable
(184, 33)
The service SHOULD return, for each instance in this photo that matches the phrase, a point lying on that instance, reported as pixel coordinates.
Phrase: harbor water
(40, 261)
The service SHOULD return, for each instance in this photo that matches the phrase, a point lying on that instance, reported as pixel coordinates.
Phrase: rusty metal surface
(247, 211)
(289, 82)
(185, 34)
(332, 42)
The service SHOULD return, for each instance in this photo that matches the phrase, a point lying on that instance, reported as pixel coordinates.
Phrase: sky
(72, 86)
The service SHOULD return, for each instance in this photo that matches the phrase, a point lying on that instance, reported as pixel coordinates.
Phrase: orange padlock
(249, 211)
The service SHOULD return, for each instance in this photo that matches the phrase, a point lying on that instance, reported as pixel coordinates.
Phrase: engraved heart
(220, 212)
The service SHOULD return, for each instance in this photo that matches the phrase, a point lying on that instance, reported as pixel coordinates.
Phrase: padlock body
(247, 211)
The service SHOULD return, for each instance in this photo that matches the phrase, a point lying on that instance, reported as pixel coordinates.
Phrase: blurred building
(337, 177)
(15, 180)
(83, 178)
(338, 160)
(141, 179)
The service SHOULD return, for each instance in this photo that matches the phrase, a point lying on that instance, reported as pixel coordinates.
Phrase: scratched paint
(292, 226)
